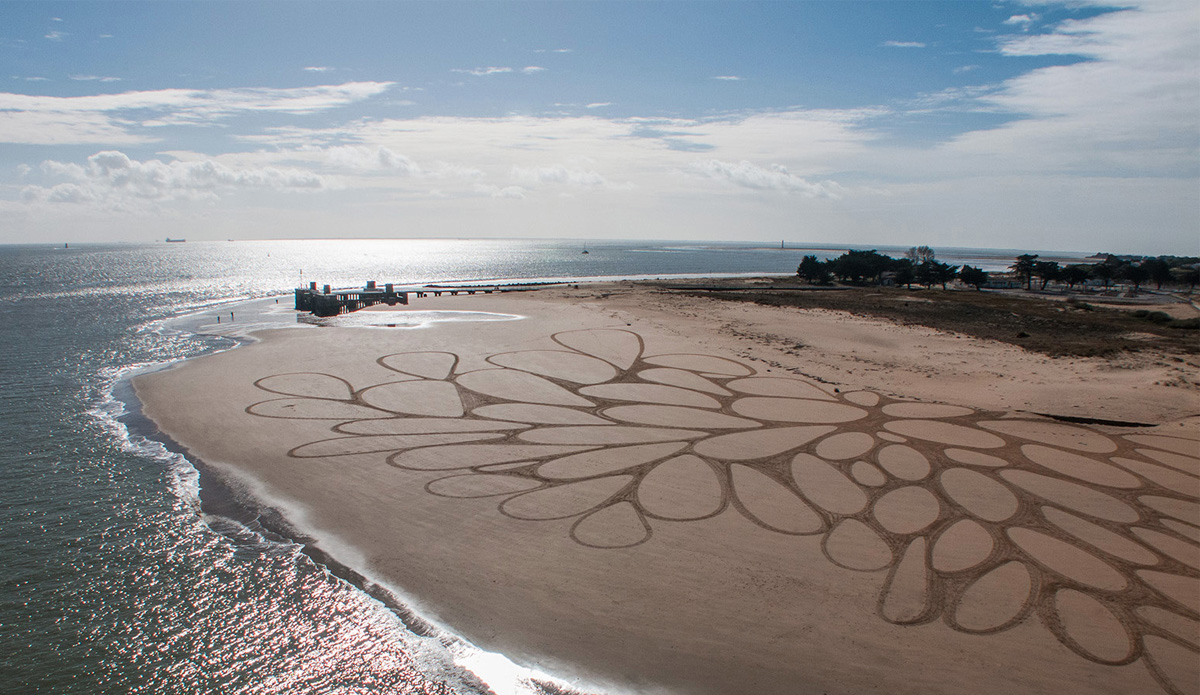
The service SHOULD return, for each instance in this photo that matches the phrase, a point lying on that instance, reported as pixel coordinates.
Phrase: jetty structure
(328, 302)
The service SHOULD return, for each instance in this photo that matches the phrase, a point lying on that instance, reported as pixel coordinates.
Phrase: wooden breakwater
(327, 302)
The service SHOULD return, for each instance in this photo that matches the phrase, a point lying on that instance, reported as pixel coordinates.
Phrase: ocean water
(116, 579)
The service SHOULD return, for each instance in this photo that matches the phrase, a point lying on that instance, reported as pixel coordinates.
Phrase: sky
(1068, 125)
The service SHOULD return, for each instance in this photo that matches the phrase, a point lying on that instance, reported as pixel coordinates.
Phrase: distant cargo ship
(175, 241)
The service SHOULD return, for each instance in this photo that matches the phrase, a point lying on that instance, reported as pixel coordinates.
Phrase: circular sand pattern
(978, 521)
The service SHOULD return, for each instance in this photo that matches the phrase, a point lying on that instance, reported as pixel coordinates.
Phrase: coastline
(843, 355)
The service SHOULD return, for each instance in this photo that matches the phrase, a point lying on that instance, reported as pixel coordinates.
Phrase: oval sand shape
(1180, 509)
(1178, 664)
(557, 364)
(605, 461)
(981, 496)
(307, 385)
(746, 446)
(846, 445)
(615, 526)
(965, 544)
(1187, 447)
(975, 458)
(826, 486)
(439, 458)
(1178, 625)
(523, 387)
(621, 348)
(368, 444)
(706, 364)
(424, 425)
(430, 365)
(428, 398)
(1056, 434)
(1180, 589)
(684, 487)
(1185, 530)
(1187, 464)
(651, 393)
(1181, 550)
(1169, 478)
(907, 595)
(945, 433)
(1092, 626)
(1069, 560)
(867, 474)
(924, 410)
(796, 410)
(772, 504)
(314, 409)
(1100, 537)
(889, 437)
(1080, 467)
(1072, 496)
(562, 501)
(479, 485)
(995, 599)
(907, 510)
(676, 416)
(609, 435)
(903, 461)
(779, 387)
(867, 398)
(853, 545)
(682, 379)
(538, 414)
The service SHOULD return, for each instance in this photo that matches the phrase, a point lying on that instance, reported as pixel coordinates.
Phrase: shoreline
(613, 313)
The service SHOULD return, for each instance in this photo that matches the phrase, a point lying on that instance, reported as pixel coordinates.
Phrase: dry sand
(644, 492)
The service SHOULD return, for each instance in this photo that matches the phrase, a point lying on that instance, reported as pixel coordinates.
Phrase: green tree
(1159, 270)
(904, 273)
(1024, 267)
(1047, 271)
(934, 272)
(919, 254)
(1106, 270)
(859, 266)
(813, 270)
(975, 277)
(1135, 274)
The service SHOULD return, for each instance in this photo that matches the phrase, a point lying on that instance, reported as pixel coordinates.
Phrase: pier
(329, 302)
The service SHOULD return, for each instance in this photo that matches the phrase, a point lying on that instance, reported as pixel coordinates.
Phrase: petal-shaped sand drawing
(1178, 588)
(906, 510)
(771, 504)
(428, 365)
(996, 600)
(827, 487)
(1067, 559)
(651, 393)
(1181, 550)
(1093, 628)
(615, 526)
(1056, 434)
(471, 485)
(565, 501)
(867, 398)
(963, 545)
(945, 433)
(846, 445)
(313, 409)
(924, 410)
(1184, 510)
(557, 364)
(1080, 467)
(1186, 629)
(758, 444)
(424, 425)
(905, 597)
(427, 398)
(606, 461)
(307, 385)
(1178, 445)
(1174, 666)
(704, 364)
(682, 379)
(509, 384)
(1187, 464)
(440, 458)
(1072, 496)
(617, 347)
(1186, 530)
(1100, 538)
(979, 495)
(358, 444)
(538, 414)
(677, 416)
(609, 435)
(1169, 478)
(903, 461)
(856, 546)
(796, 410)
(684, 487)
(778, 387)
(975, 458)
(867, 474)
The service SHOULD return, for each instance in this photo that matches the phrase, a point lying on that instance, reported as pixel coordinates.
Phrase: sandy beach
(642, 491)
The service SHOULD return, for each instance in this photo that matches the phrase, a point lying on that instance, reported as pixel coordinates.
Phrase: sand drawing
(981, 520)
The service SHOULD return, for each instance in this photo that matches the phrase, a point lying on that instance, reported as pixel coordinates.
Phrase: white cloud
(904, 44)
(510, 192)
(56, 35)
(318, 68)
(729, 78)
(532, 69)
(964, 68)
(483, 72)
(1021, 20)
(561, 174)
(775, 178)
(598, 104)
(94, 78)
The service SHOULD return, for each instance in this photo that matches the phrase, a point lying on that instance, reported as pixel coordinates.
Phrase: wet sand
(643, 492)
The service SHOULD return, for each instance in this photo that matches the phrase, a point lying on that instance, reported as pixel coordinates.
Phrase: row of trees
(918, 266)
(1161, 271)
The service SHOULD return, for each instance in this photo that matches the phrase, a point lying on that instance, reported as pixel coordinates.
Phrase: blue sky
(1059, 125)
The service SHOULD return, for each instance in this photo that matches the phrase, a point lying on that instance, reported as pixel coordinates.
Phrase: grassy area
(1055, 328)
